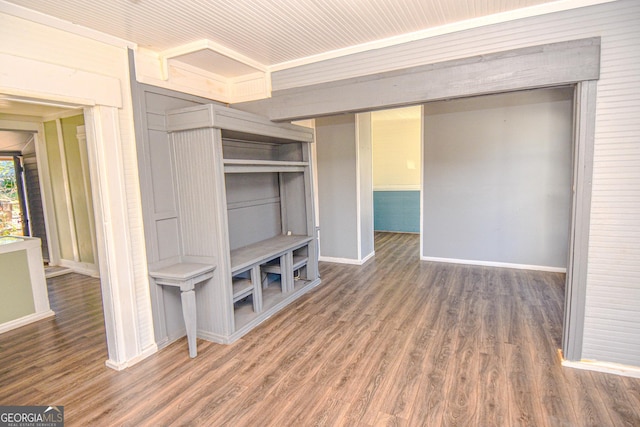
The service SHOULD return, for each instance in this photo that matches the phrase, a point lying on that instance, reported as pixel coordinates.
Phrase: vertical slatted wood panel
(612, 321)
(197, 185)
(193, 152)
(612, 318)
(158, 198)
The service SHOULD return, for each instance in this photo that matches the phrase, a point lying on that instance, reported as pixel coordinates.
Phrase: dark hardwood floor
(394, 342)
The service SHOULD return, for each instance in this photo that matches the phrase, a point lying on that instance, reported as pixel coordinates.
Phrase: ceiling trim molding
(19, 123)
(172, 53)
(542, 9)
(25, 77)
(61, 24)
(551, 64)
(206, 44)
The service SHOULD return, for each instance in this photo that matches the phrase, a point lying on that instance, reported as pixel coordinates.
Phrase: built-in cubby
(246, 202)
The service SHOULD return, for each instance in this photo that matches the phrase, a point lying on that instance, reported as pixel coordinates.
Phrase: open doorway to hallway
(50, 182)
(396, 140)
(21, 208)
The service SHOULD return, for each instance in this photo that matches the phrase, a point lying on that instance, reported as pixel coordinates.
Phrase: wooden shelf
(253, 166)
(244, 183)
(241, 288)
(244, 313)
(181, 271)
(298, 261)
(263, 251)
(246, 318)
(240, 162)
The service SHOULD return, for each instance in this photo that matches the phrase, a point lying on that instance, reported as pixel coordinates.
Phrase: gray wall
(337, 186)
(497, 172)
(345, 187)
(612, 323)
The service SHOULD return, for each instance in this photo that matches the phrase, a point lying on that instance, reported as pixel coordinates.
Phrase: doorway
(68, 194)
(12, 213)
(51, 184)
(575, 195)
(396, 139)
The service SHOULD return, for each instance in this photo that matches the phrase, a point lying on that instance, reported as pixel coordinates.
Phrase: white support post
(114, 249)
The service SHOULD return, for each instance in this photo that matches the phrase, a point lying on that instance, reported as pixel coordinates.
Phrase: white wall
(396, 149)
(40, 60)
(497, 179)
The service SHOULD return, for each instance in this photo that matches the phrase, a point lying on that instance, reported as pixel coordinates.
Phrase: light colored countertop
(16, 243)
(5, 240)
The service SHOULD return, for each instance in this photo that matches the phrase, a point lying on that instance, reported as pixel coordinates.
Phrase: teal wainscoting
(396, 211)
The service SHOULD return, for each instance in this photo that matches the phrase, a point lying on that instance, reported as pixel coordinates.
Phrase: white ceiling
(272, 32)
(14, 140)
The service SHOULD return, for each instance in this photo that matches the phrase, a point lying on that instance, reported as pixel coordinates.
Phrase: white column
(121, 308)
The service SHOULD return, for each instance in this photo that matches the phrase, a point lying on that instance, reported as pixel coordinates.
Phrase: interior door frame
(584, 107)
(575, 63)
(51, 216)
(22, 194)
(106, 103)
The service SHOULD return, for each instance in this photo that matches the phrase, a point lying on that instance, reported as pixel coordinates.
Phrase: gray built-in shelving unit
(245, 206)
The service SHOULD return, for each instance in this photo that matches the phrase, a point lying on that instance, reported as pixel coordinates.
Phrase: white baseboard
(346, 260)
(81, 268)
(606, 367)
(13, 324)
(57, 273)
(128, 363)
(210, 336)
(368, 257)
(496, 264)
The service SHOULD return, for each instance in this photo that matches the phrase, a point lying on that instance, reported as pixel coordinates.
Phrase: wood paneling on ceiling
(270, 31)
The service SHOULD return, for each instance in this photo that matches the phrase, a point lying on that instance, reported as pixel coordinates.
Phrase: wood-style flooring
(394, 342)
